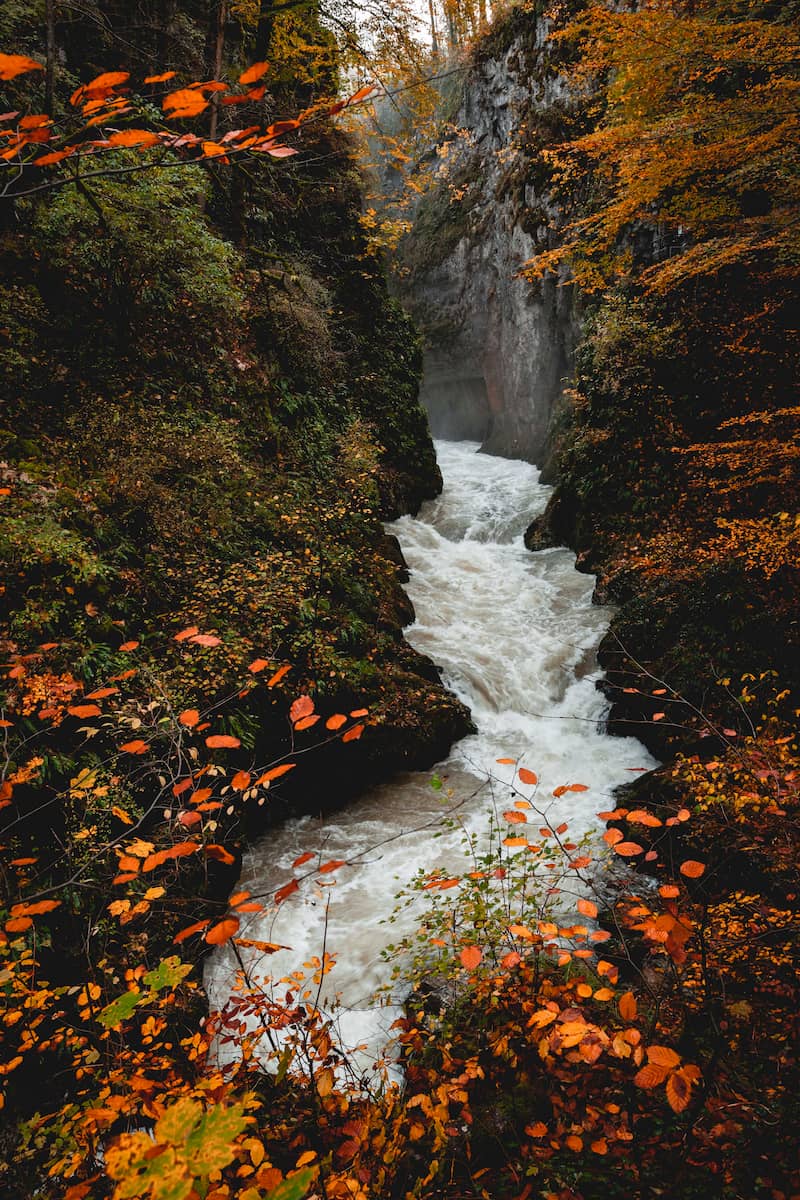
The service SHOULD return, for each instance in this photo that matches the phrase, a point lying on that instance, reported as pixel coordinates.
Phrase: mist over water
(515, 634)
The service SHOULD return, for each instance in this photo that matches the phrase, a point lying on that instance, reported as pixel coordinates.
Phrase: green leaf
(168, 974)
(120, 1009)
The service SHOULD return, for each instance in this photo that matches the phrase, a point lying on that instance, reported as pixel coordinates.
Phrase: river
(515, 634)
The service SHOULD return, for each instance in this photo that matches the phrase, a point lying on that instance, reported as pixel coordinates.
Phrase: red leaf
(286, 890)
(302, 707)
(188, 819)
(303, 859)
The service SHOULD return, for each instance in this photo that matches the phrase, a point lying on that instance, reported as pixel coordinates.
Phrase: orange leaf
(361, 94)
(650, 1076)
(47, 160)
(669, 891)
(223, 931)
(336, 721)
(222, 741)
(577, 787)
(252, 74)
(587, 908)
(12, 65)
(34, 910)
(515, 818)
(628, 1008)
(692, 869)
(600, 1146)
(84, 710)
(303, 859)
(612, 836)
(679, 1091)
(306, 722)
(279, 674)
(574, 1143)
(353, 734)
(189, 717)
(135, 747)
(189, 930)
(511, 960)
(274, 773)
(160, 78)
(628, 849)
(332, 865)
(101, 693)
(133, 137)
(214, 850)
(663, 1056)
(126, 646)
(506, 761)
(187, 633)
(359, 712)
(105, 82)
(258, 664)
(184, 103)
(303, 706)
(18, 924)
(527, 776)
(471, 957)
(240, 781)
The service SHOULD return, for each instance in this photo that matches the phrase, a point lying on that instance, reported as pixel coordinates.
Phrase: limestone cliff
(498, 349)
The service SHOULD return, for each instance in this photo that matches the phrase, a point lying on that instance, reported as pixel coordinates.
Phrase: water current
(515, 634)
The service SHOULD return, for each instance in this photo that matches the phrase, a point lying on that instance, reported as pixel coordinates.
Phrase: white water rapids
(515, 634)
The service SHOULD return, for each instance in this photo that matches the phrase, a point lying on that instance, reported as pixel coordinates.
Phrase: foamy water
(515, 634)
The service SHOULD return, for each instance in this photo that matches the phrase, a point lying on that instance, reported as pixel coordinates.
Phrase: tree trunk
(50, 65)
(434, 34)
(218, 17)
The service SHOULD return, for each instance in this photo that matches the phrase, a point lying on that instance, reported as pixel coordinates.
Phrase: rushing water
(515, 634)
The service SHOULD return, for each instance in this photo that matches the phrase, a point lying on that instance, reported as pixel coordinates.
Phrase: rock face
(498, 348)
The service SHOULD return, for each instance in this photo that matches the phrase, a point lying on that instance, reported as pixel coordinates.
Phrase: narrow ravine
(515, 634)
